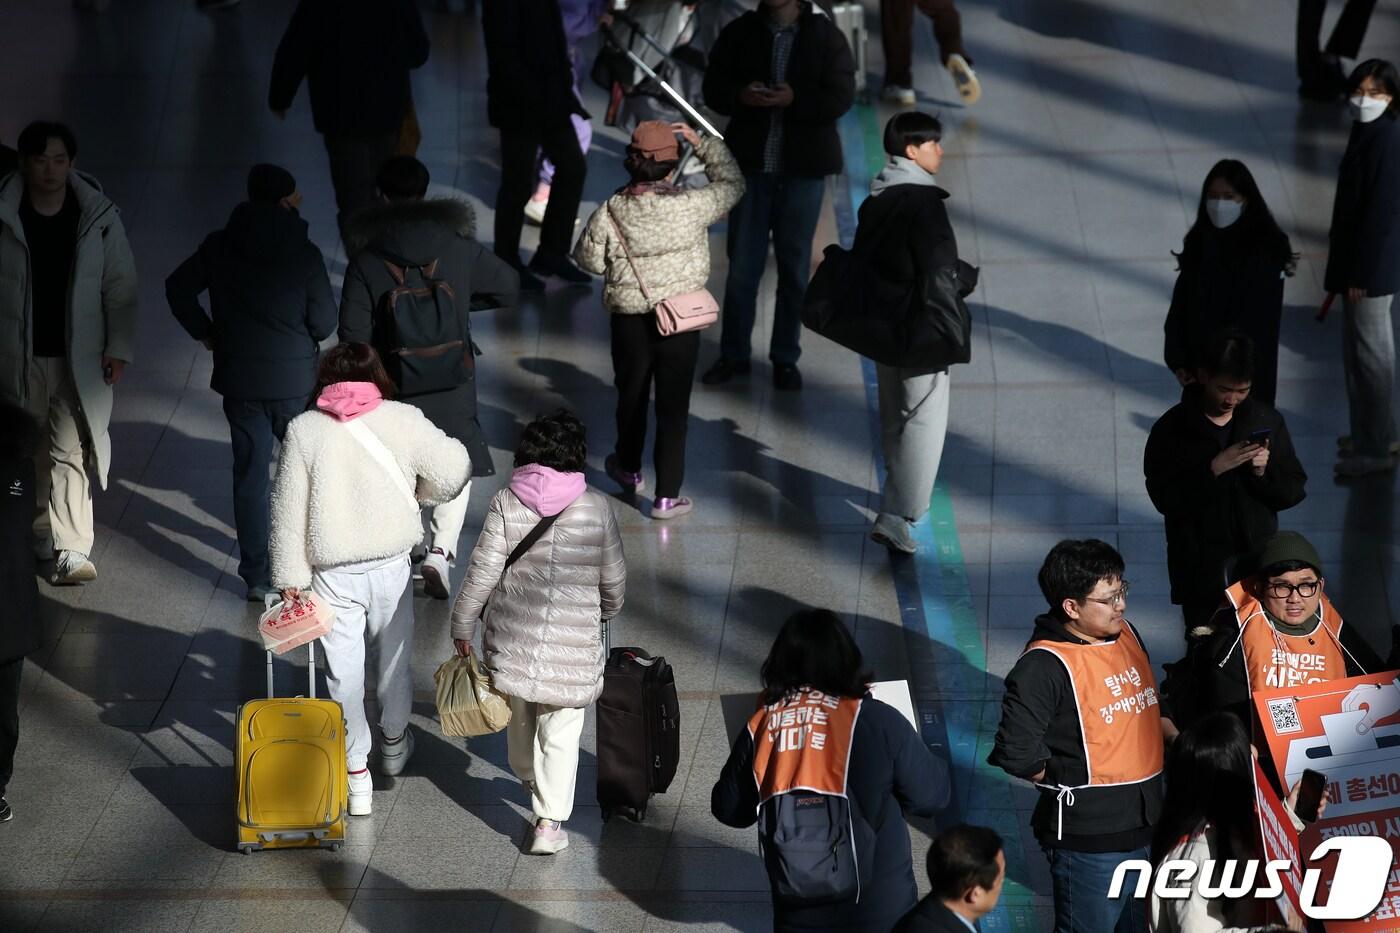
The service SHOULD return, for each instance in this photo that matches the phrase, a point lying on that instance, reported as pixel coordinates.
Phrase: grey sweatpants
(913, 423)
(1368, 358)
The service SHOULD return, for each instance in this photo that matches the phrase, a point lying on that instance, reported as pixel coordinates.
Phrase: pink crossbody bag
(695, 310)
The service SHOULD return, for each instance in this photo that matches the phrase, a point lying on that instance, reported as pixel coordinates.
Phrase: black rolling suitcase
(639, 722)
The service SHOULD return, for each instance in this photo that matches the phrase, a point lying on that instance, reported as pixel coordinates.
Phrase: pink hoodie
(348, 400)
(545, 491)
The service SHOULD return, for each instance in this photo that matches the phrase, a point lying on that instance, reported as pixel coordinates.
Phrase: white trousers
(373, 605)
(913, 424)
(542, 743)
(445, 521)
(63, 493)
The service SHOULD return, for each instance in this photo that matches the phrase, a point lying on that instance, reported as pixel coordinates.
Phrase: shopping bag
(290, 624)
(467, 702)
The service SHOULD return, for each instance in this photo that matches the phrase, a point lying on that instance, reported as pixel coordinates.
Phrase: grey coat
(418, 231)
(543, 640)
(102, 303)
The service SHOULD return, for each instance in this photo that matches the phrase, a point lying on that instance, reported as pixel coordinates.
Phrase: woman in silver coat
(543, 625)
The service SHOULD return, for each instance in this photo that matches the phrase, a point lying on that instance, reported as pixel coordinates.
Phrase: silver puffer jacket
(543, 640)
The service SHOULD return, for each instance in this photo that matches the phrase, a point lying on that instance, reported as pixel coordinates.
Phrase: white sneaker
(965, 78)
(435, 574)
(894, 532)
(361, 794)
(548, 838)
(534, 211)
(73, 569)
(897, 94)
(394, 758)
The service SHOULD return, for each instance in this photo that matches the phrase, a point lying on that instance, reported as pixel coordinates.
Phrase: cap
(268, 184)
(656, 139)
(1288, 546)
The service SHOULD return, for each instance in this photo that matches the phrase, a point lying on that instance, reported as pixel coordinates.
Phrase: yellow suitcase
(289, 756)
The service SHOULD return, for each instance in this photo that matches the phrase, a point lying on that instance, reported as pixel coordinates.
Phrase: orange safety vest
(803, 741)
(1274, 659)
(1120, 723)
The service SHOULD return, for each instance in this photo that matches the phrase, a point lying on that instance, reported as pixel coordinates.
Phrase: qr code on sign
(1285, 715)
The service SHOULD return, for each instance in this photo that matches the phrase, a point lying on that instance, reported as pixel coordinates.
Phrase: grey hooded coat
(543, 640)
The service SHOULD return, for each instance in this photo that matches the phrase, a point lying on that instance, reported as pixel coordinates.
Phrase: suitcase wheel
(335, 847)
(246, 850)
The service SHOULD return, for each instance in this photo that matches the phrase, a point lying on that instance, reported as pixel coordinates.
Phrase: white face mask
(1367, 109)
(1223, 211)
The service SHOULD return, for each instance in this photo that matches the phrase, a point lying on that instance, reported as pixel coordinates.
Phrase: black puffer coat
(19, 611)
(419, 231)
(270, 303)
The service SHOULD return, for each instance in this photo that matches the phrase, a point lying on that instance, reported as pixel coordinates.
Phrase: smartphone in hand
(1310, 795)
(1260, 436)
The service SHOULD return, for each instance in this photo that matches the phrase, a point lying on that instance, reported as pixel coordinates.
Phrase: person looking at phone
(784, 75)
(1219, 467)
(1276, 628)
(1208, 819)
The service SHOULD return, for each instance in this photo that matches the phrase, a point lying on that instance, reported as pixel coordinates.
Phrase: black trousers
(1345, 41)
(9, 718)
(520, 148)
(355, 161)
(642, 356)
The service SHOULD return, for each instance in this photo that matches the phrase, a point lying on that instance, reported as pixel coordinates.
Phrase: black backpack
(808, 843)
(418, 332)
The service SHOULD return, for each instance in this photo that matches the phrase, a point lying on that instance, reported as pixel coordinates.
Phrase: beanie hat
(1288, 546)
(268, 184)
(656, 139)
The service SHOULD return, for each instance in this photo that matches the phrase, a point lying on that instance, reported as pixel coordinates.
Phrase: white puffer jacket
(332, 502)
(543, 640)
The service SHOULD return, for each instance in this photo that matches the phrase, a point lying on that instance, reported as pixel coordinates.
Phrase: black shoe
(6, 814)
(560, 267)
(725, 370)
(786, 377)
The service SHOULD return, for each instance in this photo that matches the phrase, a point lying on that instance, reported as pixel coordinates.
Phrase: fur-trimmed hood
(408, 227)
(19, 433)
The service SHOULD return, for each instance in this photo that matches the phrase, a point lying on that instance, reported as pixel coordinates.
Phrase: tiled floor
(1071, 181)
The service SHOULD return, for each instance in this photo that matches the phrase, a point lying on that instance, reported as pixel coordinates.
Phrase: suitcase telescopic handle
(310, 670)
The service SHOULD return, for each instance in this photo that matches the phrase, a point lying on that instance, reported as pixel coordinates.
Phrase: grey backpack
(807, 840)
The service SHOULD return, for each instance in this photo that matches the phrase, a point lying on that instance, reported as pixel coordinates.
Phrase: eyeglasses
(1306, 589)
(1119, 598)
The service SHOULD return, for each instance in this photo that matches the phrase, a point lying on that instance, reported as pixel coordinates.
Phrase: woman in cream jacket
(343, 525)
(543, 640)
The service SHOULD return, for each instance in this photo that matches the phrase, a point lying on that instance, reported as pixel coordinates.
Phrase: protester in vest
(406, 226)
(1209, 818)
(1081, 720)
(543, 616)
(1219, 466)
(351, 477)
(966, 869)
(1276, 628)
(832, 736)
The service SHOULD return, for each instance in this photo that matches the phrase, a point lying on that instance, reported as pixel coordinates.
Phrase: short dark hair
(1229, 353)
(910, 128)
(815, 650)
(402, 178)
(961, 858)
(1384, 72)
(1074, 567)
(34, 139)
(643, 167)
(352, 362)
(558, 441)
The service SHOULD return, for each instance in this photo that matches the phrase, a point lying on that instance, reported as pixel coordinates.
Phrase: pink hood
(545, 491)
(348, 400)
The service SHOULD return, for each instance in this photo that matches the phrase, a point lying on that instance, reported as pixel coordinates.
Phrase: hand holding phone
(1260, 436)
(1310, 790)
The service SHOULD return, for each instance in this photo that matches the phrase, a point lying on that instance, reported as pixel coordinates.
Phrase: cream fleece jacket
(332, 502)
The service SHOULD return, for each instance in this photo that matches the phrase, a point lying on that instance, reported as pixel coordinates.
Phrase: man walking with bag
(270, 306)
(414, 273)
